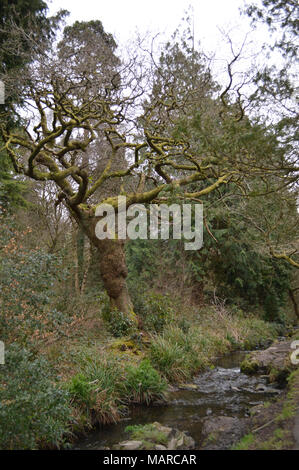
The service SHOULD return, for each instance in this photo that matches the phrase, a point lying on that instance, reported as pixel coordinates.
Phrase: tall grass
(103, 389)
(95, 389)
(177, 354)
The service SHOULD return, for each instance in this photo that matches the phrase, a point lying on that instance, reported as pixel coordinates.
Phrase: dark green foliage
(96, 389)
(11, 190)
(34, 411)
(155, 310)
(82, 32)
(240, 273)
(25, 30)
(118, 323)
(248, 277)
(24, 27)
(27, 278)
(142, 263)
(84, 40)
(143, 384)
(22, 13)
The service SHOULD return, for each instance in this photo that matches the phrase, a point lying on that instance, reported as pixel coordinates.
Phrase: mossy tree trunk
(113, 268)
(294, 301)
(114, 272)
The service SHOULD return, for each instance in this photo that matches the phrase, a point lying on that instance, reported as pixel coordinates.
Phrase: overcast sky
(123, 17)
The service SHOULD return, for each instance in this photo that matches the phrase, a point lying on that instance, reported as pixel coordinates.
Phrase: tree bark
(76, 264)
(86, 269)
(114, 272)
(80, 238)
(112, 266)
(293, 299)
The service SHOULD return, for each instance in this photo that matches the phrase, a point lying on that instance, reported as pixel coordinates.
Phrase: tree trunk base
(114, 272)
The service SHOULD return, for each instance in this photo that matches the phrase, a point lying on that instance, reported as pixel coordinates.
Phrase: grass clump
(179, 352)
(175, 354)
(170, 359)
(81, 390)
(249, 366)
(102, 390)
(143, 384)
(244, 443)
(96, 390)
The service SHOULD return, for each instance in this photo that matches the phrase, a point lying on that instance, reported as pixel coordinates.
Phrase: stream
(220, 391)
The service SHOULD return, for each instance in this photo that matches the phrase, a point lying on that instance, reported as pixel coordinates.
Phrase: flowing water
(223, 390)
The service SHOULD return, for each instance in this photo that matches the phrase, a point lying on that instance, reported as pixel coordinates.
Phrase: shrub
(118, 323)
(27, 278)
(81, 390)
(34, 411)
(143, 384)
(155, 310)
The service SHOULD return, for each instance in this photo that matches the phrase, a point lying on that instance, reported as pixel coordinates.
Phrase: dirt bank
(275, 424)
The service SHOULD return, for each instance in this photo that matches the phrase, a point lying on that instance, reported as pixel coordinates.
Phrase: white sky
(123, 17)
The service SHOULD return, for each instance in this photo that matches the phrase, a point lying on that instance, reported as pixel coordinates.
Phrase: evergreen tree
(24, 27)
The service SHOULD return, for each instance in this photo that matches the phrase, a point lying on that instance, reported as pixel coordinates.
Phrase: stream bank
(214, 406)
(274, 425)
(107, 377)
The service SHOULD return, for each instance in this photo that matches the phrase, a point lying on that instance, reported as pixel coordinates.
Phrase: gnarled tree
(98, 127)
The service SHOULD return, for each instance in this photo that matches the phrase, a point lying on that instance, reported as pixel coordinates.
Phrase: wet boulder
(130, 445)
(188, 387)
(273, 361)
(221, 432)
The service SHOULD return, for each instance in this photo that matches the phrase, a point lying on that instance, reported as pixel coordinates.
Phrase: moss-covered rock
(249, 366)
(273, 361)
(123, 345)
(157, 437)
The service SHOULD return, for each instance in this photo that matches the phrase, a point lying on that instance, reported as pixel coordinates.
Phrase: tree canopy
(175, 131)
